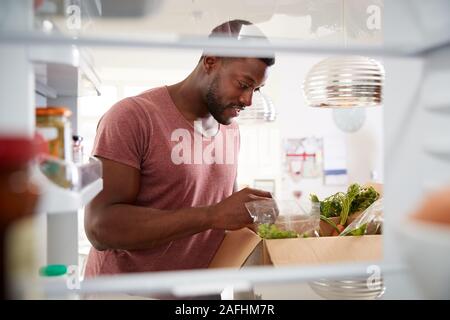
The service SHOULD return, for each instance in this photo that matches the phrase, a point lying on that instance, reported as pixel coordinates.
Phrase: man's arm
(113, 221)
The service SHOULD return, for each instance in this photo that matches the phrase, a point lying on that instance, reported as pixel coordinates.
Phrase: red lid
(16, 151)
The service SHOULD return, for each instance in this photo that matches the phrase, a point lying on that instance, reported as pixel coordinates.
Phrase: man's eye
(243, 85)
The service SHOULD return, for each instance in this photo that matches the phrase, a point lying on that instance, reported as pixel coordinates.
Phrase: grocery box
(244, 247)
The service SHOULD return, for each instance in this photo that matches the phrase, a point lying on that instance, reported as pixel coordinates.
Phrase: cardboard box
(244, 248)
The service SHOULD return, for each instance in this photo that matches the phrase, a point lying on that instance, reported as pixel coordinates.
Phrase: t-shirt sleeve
(123, 134)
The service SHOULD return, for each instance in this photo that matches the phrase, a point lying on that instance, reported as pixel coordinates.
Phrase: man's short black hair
(234, 29)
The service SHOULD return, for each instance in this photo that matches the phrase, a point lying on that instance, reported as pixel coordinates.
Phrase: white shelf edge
(438, 107)
(45, 90)
(215, 280)
(68, 56)
(440, 149)
(91, 75)
(212, 46)
(56, 200)
(90, 191)
(435, 94)
(432, 185)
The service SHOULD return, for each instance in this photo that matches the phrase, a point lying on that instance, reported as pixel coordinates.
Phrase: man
(169, 166)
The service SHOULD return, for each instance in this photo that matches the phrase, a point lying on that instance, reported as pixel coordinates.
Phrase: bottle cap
(53, 270)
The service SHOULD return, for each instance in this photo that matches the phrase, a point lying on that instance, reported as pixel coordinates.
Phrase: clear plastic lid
(283, 219)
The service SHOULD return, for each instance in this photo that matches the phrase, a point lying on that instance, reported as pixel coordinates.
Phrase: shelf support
(62, 238)
(17, 76)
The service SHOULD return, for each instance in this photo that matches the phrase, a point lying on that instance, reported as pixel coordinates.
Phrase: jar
(53, 124)
(18, 195)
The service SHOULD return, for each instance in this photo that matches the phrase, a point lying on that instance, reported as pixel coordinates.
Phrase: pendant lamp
(345, 82)
(262, 109)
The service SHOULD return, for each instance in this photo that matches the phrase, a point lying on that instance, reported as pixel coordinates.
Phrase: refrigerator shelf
(67, 186)
(57, 200)
(58, 70)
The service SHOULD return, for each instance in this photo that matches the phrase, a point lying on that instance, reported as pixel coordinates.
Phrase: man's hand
(231, 214)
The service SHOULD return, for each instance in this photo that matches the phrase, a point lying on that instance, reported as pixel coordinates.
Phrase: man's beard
(214, 106)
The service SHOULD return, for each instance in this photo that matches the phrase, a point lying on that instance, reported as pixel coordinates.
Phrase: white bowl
(426, 249)
(354, 288)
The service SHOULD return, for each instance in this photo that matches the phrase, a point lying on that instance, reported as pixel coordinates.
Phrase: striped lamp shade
(261, 110)
(344, 82)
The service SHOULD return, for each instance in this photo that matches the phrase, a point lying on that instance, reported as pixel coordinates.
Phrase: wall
(295, 120)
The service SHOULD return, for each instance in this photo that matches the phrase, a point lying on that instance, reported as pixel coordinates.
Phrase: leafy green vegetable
(361, 230)
(331, 206)
(352, 192)
(314, 198)
(343, 204)
(271, 231)
(363, 200)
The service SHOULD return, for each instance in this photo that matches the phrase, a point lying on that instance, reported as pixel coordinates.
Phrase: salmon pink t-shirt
(179, 167)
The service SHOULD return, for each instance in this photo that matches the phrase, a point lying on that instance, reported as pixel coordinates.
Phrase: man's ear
(209, 63)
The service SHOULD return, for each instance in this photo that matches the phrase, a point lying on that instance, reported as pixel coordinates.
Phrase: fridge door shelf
(438, 148)
(56, 200)
(67, 186)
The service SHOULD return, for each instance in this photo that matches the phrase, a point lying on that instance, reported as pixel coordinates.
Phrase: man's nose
(246, 98)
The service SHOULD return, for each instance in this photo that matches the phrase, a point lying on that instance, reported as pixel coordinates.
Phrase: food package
(369, 222)
(278, 219)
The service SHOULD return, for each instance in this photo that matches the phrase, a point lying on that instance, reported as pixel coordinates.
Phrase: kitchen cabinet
(416, 56)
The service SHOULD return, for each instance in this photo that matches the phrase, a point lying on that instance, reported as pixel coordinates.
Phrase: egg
(435, 207)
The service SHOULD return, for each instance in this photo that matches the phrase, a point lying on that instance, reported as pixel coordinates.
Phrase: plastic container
(70, 175)
(53, 124)
(263, 211)
(279, 219)
(293, 218)
(54, 280)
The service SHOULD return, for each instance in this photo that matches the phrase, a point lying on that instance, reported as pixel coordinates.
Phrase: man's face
(232, 87)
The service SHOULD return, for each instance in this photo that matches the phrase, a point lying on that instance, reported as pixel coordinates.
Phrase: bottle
(77, 148)
(53, 279)
(58, 281)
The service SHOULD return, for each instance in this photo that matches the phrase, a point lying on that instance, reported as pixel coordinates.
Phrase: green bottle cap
(53, 270)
